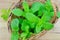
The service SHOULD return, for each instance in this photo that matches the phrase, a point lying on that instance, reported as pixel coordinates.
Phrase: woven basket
(37, 36)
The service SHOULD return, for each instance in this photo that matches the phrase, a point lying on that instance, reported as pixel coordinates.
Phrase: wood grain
(53, 34)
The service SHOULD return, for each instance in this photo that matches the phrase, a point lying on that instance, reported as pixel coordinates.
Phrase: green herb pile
(32, 19)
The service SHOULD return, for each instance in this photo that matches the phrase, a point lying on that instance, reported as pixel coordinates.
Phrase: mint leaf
(20, 20)
(17, 12)
(14, 36)
(48, 26)
(58, 14)
(25, 26)
(48, 5)
(51, 14)
(24, 38)
(41, 10)
(35, 7)
(15, 24)
(38, 28)
(5, 13)
(40, 13)
(29, 34)
(24, 34)
(32, 18)
(32, 25)
(25, 6)
(46, 18)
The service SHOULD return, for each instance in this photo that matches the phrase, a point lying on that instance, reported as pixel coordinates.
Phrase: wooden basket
(37, 36)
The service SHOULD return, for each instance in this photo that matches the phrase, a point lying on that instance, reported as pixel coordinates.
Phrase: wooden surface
(53, 34)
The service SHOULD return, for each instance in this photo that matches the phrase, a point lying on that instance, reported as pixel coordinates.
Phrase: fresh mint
(31, 19)
(25, 6)
(17, 12)
(5, 13)
(15, 24)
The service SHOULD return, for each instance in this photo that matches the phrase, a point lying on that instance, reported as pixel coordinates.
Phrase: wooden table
(53, 34)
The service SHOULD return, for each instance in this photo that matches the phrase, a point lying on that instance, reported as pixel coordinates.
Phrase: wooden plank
(54, 34)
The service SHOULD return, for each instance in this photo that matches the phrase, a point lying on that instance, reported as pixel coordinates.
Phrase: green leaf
(35, 7)
(51, 14)
(25, 26)
(32, 18)
(24, 34)
(14, 36)
(15, 24)
(38, 28)
(25, 6)
(46, 16)
(41, 10)
(5, 13)
(20, 20)
(48, 5)
(58, 14)
(48, 26)
(32, 25)
(29, 34)
(40, 13)
(24, 38)
(17, 12)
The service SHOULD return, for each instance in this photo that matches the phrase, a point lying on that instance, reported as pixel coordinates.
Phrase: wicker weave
(37, 36)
